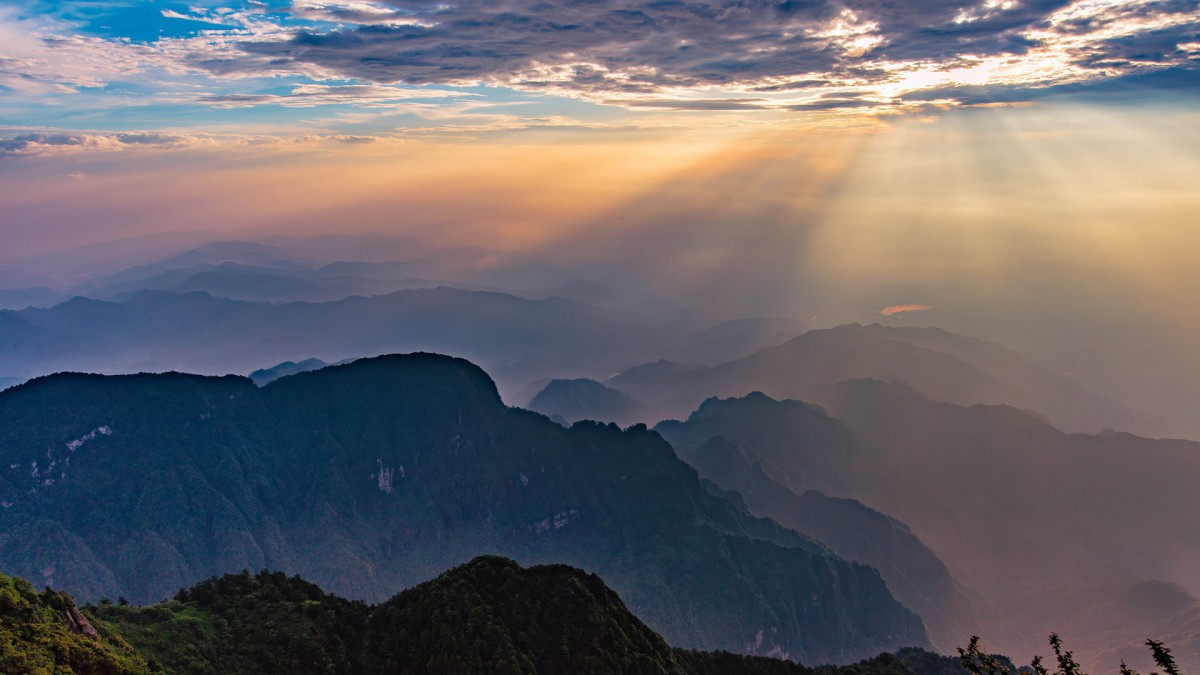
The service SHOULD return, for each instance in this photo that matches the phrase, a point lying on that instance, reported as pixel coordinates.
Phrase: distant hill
(734, 339)
(517, 338)
(264, 376)
(326, 269)
(1040, 522)
(20, 298)
(584, 399)
(379, 474)
(938, 364)
(914, 573)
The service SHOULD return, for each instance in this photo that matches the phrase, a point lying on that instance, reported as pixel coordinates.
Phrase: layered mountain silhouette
(379, 474)
(940, 365)
(914, 574)
(570, 401)
(1038, 521)
(308, 269)
(264, 376)
(156, 331)
(736, 338)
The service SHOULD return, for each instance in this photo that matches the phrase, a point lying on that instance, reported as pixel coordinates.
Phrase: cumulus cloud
(588, 46)
(46, 143)
(634, 51)
(678, 55)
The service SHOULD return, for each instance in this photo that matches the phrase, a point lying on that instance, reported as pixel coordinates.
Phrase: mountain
(20, 298)
(6, 382)
(736, 338)
(570, 401)
(519, 339)
(1068, 405)
(379, 474)
(325, 269)
(1068, 496)
(913, 573)
(489, 615)
(1038, 521)
(264, 376)
(940, 365)
(162, 273)
(46, 633)
(796, 444)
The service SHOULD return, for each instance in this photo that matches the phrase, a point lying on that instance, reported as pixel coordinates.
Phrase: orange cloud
(900, 309)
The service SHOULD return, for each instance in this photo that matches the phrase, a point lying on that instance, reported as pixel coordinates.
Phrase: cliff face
(370, 477)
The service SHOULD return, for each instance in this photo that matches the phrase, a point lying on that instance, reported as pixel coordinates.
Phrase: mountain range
(913, 572)
(938, 364)
(1046, 527)
(379, 474)
(517, 338)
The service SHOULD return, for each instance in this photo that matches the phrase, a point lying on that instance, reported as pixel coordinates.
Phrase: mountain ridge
(331, 472)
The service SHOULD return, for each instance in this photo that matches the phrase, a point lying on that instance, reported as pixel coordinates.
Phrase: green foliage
(487, 616)
(492, 616)
(263, 623)
(41, 634)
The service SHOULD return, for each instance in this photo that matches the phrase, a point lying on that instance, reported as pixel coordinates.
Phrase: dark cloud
(1158, 46)
(941, 30)
(639, 49)
(582, 44)
(1131, 88)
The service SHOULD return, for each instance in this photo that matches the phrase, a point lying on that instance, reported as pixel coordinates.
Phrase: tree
(979, 662)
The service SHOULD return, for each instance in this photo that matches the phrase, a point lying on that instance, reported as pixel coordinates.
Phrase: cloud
(697, 104)
(40, 143)
(312, 95)
(48, 143)
(653, 55)
(584, 46)
(362, 13)
(631, 52)
(901, 309)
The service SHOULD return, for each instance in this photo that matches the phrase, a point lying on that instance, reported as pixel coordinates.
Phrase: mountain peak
(582, 398)
(413, 370)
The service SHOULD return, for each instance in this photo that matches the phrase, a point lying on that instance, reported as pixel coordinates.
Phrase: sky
(104, 74)
(1023, 170)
